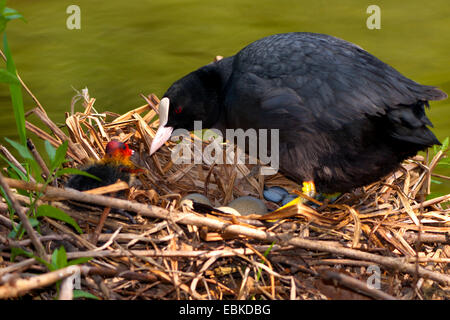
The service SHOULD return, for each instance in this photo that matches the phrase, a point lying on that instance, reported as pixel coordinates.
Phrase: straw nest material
(385, 234)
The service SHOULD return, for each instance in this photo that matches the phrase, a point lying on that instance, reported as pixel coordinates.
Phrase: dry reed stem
(192, 219)
(356, 284)
(14, 161)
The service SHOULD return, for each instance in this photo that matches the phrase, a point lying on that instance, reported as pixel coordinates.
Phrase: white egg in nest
(194, 197)
(228, 210)
(248, 205)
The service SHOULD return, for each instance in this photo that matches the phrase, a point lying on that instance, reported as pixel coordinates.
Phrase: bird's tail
(429, 93)
(410, 125)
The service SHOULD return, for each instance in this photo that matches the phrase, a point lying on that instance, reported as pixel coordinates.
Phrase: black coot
(346, 118)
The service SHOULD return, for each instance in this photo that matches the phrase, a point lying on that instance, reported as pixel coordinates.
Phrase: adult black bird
(345, 118)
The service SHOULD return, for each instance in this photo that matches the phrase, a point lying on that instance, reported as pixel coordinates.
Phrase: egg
(195, 197)
(248, 205)
(275, 194)
(228, 210)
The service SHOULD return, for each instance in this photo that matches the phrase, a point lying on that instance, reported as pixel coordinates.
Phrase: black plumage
(346, 118)
(114, 166)
(107, 173)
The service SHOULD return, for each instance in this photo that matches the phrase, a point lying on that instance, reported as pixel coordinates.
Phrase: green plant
(9, 75)
(443, 162)
(58, 261)
(57, 159)
(57, 156)
(266, 253)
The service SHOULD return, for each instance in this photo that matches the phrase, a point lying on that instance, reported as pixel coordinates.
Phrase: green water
(125, 48)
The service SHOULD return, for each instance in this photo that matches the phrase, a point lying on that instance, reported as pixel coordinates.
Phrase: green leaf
(22, 149)
(50, 150)
(79, 261)
(20, 252)
(26, 154)
(13, 175)
(54, 260)
(14, 233)
(16, 95)
(8, 14)
(16, 170)
(445, 164)
(61, 258)
(76, 171)
(436, 181)
(46, 210)
(266, 253)
(8, 77)
(8, 202)
(12, 14)
(83, 294)
(60, 155)
(444, 145)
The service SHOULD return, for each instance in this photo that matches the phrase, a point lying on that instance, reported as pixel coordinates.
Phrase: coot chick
(113, 166)
(345, 118)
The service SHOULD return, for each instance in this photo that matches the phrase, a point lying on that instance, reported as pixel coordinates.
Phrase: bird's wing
(338, 82)
(252, 102)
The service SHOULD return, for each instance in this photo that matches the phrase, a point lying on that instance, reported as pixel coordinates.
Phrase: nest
(386, 234)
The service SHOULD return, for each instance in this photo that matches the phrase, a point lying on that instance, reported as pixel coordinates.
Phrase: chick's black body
(107, 173)
(345, 118)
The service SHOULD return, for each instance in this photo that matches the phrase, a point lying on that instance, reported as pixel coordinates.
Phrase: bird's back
(332, 77)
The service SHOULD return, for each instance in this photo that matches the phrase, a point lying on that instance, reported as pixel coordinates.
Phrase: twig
(50, 237)
(100, 224)
(23, 217)
(4, 220)
(14, 161)
(199, 254)
(110, 240)
(17, 266)
(193, 219)
(353, 284)
(18, 287)
(38, 158)
(426, 203)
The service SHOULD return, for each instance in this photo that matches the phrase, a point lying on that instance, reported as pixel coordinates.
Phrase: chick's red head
(118, 151)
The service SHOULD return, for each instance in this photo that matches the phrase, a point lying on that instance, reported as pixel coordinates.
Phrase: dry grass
(173, 252)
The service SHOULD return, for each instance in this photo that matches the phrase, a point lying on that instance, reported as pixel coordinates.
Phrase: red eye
(178, 110)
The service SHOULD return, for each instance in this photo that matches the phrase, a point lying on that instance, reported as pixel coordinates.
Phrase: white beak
(163, 133)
